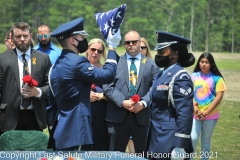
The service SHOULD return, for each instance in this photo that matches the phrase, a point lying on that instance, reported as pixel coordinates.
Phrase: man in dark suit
(71, 78)
(13, 115)
(125, 117)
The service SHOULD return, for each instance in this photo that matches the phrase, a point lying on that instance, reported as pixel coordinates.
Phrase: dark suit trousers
(27, 121)
(122, 132)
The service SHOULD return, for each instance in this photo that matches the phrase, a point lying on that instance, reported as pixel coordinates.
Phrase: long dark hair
(186, 59)
(213, 66)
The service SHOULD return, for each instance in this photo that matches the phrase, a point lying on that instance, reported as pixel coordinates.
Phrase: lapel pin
(34, 60)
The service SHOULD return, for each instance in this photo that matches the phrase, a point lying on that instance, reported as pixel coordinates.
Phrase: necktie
(25, 101)
(133, 77)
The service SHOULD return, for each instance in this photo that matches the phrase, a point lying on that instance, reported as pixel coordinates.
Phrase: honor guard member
(70, 81)
(172, 103)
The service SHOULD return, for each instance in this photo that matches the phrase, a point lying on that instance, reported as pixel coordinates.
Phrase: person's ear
(71, 40)
(31, 35)
(175, 54)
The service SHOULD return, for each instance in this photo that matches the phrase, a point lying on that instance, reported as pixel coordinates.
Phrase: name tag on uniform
(90, 68)
(162, 87)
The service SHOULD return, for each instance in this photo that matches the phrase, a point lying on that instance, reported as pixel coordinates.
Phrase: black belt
(27, 111)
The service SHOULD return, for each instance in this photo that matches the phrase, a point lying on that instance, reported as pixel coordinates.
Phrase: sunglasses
(134, 42)
(143, 47)
(98, 50)
(40, 36)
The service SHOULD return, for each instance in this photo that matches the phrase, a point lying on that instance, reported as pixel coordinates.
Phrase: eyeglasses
(143, 47)
(98, 50)
(134, 42)
(40, 36)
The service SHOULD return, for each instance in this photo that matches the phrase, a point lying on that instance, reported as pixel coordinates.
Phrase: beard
(22, 45)
(44, 43)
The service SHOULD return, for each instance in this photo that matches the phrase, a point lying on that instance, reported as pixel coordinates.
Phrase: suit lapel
(14, 60)
(143, 62)
(33, 61)
(124, 67)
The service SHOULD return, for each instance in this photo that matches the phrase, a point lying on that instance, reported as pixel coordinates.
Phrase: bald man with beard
(45, 44)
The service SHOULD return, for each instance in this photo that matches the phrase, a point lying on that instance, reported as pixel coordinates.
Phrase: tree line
(212, 25)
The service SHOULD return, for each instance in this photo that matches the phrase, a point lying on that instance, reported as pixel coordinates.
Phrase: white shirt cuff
(40, 93)
(144, 103)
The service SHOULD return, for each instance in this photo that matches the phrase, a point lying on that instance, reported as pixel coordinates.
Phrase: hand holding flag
(109, 24)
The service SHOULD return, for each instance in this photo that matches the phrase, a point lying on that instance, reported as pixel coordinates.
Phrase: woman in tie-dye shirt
(209, 87)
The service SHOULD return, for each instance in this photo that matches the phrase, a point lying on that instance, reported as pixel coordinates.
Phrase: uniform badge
(184, 75)
(90, 68)
(162, 87)
(185, 92)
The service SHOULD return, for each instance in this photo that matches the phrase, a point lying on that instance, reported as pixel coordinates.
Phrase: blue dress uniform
(170, 126)
(70, 78)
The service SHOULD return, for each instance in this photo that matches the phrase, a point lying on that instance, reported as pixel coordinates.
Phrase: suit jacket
(10, 89)
(171, 127)
(118, 91)
(71, 78)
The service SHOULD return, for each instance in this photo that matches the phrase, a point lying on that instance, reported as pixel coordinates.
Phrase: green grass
(2, 48)
(225, 139)
(229, 65)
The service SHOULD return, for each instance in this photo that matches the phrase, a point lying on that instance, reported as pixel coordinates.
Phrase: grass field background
(226, 136)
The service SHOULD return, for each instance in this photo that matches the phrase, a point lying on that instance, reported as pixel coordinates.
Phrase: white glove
(114, 40)
(178, 154)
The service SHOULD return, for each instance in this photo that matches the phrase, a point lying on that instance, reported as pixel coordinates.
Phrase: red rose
(27, 79)
(33, 83)
(93, 87)
(135, 98)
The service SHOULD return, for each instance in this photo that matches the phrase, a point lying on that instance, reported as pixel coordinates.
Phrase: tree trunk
(21, 9)
(207, 28)
(191, 29)
(232, 50)
(169, 20)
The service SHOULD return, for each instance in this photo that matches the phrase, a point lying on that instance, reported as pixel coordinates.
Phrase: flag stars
(106, 26)
(113, 31)
(112, 21)
(109, 12)
(118, 15)
(102, 15)
(97, 16)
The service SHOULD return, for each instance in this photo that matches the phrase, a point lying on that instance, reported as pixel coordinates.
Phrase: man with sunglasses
(70, 81)
(45, 45)
(124, 116)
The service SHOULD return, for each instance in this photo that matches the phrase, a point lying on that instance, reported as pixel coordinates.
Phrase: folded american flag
(110, 20)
